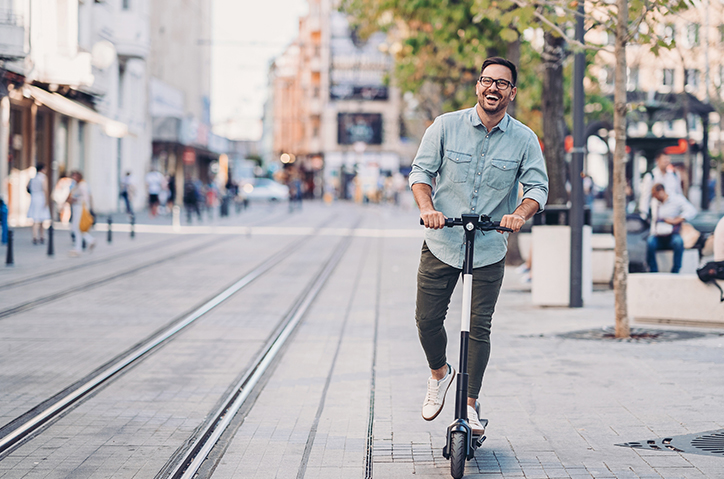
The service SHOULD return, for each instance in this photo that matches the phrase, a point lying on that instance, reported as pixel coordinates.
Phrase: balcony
(76, 71)
(12, 36)
(314, 106)
(132, 38)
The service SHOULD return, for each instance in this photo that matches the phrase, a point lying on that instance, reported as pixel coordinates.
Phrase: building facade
(76, 98)
(680, 92)
(334, 112)
(180, 89)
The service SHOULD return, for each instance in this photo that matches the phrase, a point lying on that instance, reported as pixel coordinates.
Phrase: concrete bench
(689, 262)
(602, 255)
(675, 299)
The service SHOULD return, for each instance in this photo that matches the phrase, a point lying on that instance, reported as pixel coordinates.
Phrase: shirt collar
(475, 119)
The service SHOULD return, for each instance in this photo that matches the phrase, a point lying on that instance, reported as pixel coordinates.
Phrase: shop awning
(77, 110)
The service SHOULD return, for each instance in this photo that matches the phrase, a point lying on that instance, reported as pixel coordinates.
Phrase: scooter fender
(460, 425)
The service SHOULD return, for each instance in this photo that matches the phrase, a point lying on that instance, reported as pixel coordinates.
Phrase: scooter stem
(461, 398)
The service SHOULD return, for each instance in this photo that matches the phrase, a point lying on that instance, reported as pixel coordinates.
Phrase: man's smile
(492, 100)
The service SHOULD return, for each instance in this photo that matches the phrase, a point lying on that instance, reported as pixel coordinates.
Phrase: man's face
(492, 99)
(663, 162)
(660, 195)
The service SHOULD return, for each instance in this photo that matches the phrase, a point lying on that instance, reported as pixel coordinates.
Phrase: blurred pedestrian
(211, 192)
(191, 199)
(39, 210)
(60, 196)
(171, 186)
(127, 192)
(719, 240)
(79, 198)
(668, 212)
(663, 173)
(154, 185)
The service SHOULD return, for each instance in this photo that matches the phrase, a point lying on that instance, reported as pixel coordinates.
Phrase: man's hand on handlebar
(433, 219)
(515, 222)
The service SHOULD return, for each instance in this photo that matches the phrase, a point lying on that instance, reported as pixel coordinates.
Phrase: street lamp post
(577, 200)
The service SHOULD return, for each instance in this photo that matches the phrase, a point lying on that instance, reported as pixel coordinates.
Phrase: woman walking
(39, 200)
(79, 198)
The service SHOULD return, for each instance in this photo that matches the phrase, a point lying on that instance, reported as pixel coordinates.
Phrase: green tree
(442, 43)
(438, 46)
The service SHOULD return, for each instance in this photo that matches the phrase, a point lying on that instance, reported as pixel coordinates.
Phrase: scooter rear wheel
(457, 454)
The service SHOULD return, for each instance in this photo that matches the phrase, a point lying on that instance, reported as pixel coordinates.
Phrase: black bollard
(9, 258)
(133, 226)
(51, 247)
(110, 232)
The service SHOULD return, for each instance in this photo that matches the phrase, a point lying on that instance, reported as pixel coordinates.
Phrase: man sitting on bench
(667, 215)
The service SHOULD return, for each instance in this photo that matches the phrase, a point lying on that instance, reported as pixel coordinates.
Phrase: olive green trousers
(435, 284)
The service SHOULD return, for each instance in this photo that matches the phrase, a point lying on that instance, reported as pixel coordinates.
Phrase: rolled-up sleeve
(533, 175)
(688, 211)
(427, 162)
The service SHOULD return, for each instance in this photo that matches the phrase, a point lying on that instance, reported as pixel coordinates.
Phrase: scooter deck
(484, 422)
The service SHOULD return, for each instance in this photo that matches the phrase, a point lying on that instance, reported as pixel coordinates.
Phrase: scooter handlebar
(487, 226)
(449, 222)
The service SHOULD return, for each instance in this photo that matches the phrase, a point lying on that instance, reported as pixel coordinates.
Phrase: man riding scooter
(478, 157)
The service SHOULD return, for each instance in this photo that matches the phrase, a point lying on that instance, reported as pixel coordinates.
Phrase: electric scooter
(461, 443)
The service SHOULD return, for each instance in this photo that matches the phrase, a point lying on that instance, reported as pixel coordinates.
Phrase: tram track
(186, 463)
(89, 285)
(57, 272)
(31, 422)
(116, 256)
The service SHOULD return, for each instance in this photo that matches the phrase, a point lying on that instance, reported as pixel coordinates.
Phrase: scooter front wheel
(457, 454)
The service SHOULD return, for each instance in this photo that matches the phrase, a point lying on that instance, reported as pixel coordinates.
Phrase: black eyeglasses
(500, 83)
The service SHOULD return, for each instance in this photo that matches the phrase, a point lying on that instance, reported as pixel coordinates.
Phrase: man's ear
(513, 92)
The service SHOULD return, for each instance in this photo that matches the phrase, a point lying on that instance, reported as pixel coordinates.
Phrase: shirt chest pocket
(457, 166)
(501, 173)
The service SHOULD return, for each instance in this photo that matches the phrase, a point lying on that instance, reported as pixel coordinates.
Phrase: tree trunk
(620, 275)
(554, 126)
(513, 257)
(513, 54)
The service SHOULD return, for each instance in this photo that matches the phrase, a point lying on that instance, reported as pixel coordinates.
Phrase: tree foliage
(435, 42)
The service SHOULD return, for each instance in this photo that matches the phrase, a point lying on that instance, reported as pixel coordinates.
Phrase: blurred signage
(165, 100)
(352, 92)
(358, 69)
(359, 127)
(189, 156)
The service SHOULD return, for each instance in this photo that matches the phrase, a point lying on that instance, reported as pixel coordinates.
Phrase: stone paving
(344, 399)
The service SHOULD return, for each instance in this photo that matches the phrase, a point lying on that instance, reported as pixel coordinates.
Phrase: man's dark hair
(659, 154)
(501, 61)
(658, 187)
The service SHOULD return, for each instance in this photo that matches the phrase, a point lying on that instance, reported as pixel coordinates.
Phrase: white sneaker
(436, 391)
(474, 422)
(522, 269)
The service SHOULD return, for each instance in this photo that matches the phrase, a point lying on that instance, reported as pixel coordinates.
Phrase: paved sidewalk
(557, 406)
(344, 400)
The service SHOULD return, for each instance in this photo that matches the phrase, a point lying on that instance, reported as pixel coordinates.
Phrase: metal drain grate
(706, 443)
(638, 335)
(712, 443)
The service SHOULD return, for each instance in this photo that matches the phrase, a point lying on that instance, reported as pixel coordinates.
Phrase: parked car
(265, 189)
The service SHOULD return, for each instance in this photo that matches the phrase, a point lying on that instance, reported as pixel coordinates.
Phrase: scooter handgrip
(448, 222)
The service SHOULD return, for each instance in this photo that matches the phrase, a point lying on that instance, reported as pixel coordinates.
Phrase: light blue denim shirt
(477, 172)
